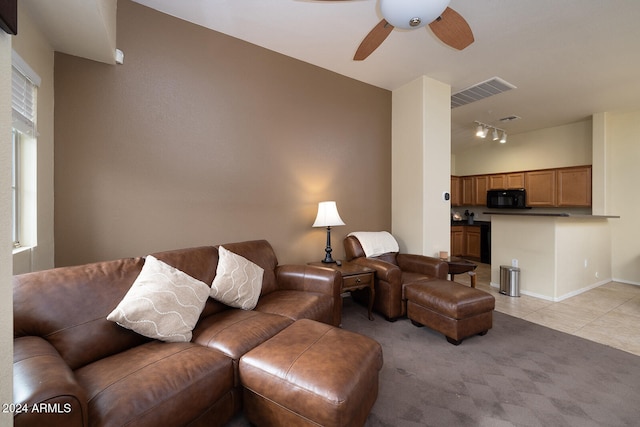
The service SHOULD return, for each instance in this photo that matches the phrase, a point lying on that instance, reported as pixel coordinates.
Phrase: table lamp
(328, 216)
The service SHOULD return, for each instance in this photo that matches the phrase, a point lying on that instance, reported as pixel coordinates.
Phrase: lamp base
(327, 258)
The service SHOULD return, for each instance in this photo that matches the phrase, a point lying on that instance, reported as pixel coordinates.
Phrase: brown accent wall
(200, 138)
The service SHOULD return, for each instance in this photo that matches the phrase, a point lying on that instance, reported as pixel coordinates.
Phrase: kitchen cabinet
(457, 240)
(559, 187)
(474, 190)
(541, 188)
(514, 180)
(501, 181)
(497, 181)
(455, 191)
(574, 186)
(466, 241)
(468, 191)
(472, 242)
(480, 185)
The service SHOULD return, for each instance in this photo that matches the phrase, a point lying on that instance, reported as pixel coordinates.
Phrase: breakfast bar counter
(559, 255)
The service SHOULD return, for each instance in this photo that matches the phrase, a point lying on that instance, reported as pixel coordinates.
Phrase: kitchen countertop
(476, 223)
(559, 214)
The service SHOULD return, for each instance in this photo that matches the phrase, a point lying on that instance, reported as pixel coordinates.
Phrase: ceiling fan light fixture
(409, 14)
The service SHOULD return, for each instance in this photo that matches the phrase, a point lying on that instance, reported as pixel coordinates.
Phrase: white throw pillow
(163, 303)
(238, 281)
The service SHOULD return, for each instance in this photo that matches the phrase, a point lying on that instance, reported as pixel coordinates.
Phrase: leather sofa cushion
(82, 296)
(235, 332)
(156, 384)
(298, 305)
(35, 359)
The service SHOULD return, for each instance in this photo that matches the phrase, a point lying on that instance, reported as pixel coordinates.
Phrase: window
(24, 84)
(15, 187)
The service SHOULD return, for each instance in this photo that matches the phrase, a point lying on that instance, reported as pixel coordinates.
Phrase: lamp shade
(328, 215)
(412, 13)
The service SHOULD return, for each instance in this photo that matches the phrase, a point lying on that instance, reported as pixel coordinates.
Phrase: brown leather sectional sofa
(73, 367)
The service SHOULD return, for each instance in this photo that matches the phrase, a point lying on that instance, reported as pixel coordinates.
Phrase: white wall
(407, 186)
(623, 193)
(530, 240)
(421, 158)
(558, 257)
(31, 45)
(6, 300)
(583, 255)
(567, 145)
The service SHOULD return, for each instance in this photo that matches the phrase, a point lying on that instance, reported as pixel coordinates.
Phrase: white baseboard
(627, 282)
(565, 296)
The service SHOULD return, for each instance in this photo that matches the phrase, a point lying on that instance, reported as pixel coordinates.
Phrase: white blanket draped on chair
(375, 243)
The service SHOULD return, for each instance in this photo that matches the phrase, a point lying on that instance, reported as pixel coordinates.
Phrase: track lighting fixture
(503, 140)
(482, 130)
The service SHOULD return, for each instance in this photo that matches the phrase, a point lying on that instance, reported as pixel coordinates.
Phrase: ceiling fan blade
(374, 39)
(452, 29)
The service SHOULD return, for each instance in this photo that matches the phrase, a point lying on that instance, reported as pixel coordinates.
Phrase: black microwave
(507, 199)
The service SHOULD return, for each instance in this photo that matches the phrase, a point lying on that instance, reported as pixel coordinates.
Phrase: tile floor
(608, 314)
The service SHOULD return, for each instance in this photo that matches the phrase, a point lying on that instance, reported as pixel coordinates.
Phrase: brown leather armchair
(393, 271)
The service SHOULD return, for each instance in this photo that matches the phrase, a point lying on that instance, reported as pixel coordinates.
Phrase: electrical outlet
(514, 262)
(586, 263)
(597, 275)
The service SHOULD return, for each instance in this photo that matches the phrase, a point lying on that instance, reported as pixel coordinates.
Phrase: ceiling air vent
(480, 91)
(509, 119)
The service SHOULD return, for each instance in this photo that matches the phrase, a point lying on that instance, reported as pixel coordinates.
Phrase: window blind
(24, 83)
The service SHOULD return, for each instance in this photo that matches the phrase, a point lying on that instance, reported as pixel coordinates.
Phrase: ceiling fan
(447, 24)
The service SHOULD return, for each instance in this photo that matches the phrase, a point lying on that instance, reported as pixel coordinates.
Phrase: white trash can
(510, 280)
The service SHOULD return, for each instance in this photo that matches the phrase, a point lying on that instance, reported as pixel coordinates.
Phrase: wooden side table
(354, 277)
(458, 266)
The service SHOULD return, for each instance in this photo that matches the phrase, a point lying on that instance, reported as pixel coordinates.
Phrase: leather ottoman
(311, 374)
(453, 309)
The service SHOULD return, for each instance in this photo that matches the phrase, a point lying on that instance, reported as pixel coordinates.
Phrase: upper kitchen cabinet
(559, 187)
(562, 187)
(541, 187)
(574, 186)
(514, 180)
(497, 181)
(455, 191)
(480, 187)
(468, 191)
(474, 190)
(501, 181)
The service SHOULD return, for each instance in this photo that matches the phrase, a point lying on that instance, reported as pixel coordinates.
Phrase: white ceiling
(569, 59)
